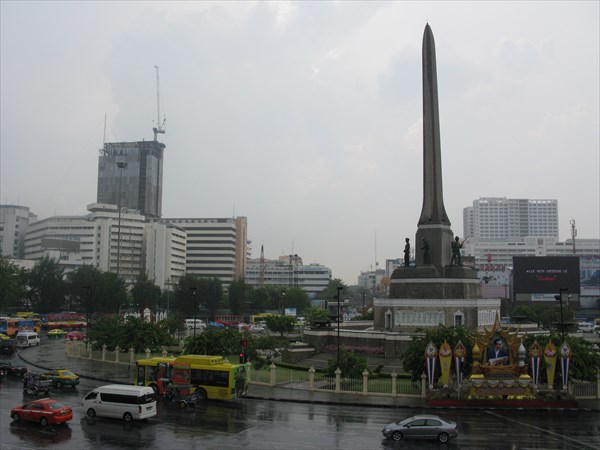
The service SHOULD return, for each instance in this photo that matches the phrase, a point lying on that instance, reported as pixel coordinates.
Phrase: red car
(43, 411)
(76, 336)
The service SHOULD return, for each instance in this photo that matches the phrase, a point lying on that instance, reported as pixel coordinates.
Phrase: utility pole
(339, 288)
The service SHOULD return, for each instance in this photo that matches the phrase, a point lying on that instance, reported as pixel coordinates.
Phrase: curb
(104, 380)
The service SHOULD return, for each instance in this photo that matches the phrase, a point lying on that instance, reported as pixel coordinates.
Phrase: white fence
(313, 381)
(392, 386)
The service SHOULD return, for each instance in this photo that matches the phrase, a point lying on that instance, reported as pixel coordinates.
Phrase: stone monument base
(406, 315)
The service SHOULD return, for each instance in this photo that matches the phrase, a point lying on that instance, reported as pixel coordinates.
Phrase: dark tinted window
(55, 405)
(119, 398)
(217, 378)
(91, 396)
(417, 423)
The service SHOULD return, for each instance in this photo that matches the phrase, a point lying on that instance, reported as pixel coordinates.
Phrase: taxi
(4, 337)
(62, 377)
(56, 333)
(44, 411)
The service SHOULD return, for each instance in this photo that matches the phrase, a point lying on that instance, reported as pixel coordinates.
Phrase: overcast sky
(305, 117)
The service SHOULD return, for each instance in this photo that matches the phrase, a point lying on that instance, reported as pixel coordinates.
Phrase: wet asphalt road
(256, 424)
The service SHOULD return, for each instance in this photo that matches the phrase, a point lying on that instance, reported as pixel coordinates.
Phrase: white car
(585, 327)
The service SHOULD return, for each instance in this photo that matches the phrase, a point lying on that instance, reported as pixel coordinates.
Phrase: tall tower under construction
(130, 174)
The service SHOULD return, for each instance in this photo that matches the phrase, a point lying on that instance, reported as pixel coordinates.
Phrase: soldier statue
(456, 257)
(406, 252)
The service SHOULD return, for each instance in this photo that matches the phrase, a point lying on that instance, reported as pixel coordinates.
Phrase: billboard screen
(590, 275)
(545, 274)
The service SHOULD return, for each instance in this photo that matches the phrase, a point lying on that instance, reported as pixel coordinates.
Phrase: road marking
(545, 430)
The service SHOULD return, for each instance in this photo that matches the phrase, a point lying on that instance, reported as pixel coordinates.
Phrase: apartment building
(501, 218)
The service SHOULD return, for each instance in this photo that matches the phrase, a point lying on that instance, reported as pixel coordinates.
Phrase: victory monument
(437, 289)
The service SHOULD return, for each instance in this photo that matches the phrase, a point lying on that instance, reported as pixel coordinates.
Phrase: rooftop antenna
(160, 127)
(573, 233)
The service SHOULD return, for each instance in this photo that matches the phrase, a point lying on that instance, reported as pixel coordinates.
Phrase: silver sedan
(421, 427)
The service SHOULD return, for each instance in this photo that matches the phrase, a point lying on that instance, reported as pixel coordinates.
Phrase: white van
(200, 325)
(27, 338)
(120, 401)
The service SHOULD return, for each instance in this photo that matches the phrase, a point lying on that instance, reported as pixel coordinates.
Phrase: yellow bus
(9, 326)
(259, 317)
(211, 377)
(154, 372)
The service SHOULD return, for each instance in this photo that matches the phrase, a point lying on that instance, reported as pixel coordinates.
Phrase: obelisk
(433, 225)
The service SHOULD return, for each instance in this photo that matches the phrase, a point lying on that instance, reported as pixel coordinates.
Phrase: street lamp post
(169, 285)
(559, 297)
(121, 165)
(193, 289)
(339, 288)
(89, 308)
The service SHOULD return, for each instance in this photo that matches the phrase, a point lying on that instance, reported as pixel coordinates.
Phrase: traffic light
(242, 358)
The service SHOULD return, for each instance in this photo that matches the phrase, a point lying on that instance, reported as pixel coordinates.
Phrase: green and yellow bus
(212, 377)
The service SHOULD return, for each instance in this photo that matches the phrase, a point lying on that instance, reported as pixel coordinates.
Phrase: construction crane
(160, 127)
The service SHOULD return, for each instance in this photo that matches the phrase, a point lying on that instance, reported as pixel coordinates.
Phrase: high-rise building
(130, 174)
(501, 218)
(14, 221)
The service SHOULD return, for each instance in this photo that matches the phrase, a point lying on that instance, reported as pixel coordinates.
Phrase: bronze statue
(456, 257)
(425, 248)
(406, 252)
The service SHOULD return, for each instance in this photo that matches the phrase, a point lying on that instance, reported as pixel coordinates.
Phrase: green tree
(46, 286)
(13, 281)
(330, 292)
(280, 324)
(89, 288)
(259, 299)
(351, 365)
(145, 293)
(296, 297)
(238, 294)
(126, 333)
(194, 291)
(413, 359)
(315, 314)
(215, 341)
(105, 330)
(585, 361)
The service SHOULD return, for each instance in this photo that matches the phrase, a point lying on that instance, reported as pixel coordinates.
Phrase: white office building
(215, 247)
(502, 219)
(498, 255)
(94, 239)
(14, 222)
(288, 271)
(165, 246)
(372, 280)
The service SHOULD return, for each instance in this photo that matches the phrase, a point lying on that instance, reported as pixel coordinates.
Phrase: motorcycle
(199, 396)
(34, 384)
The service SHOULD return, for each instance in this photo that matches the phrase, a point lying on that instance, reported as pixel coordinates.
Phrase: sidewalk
(52, 355)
